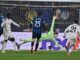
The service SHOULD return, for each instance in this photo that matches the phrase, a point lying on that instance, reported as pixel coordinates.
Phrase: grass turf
(40, 55)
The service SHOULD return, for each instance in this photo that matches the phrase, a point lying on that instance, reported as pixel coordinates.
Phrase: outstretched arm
(14, 23)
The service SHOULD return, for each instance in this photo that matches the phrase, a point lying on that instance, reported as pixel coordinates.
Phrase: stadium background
(18, 9)
(70, 11)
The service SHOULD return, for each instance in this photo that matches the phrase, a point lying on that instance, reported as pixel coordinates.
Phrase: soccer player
(7, 33)
(36, 31)
(71, 33)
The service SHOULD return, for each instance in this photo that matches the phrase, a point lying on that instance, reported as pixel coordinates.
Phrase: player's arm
(14, 23)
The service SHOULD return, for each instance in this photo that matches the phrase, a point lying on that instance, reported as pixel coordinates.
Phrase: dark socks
(32, 44)
(36, 46)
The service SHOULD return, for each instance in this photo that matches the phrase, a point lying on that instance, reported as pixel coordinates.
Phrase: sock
(70, 49)
(32, 44)
(36, 47)
(4, 46)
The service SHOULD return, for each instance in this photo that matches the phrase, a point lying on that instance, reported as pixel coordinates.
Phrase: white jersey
(71, 32)
(6, 24)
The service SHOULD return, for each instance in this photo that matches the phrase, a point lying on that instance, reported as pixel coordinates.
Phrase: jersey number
(73, 29)
(37, 23)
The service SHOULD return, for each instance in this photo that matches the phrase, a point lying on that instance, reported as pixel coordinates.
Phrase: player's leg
(52, 37)
(37, 43)
(70, 49)
(4, 43)
(33, 40)
(71, 46)
(69, 40)
(14, 43)
(23, 41)
(67, 45)
(4, 46)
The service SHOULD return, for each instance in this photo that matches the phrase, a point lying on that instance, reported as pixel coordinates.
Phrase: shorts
(36, 35)
(7, 36)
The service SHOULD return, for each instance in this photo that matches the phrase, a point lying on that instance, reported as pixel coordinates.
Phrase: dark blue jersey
(37, 25)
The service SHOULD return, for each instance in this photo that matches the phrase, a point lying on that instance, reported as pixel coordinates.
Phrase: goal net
(23, 14)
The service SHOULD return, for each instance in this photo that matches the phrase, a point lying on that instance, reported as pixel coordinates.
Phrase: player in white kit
(7, 33)
(71, 33)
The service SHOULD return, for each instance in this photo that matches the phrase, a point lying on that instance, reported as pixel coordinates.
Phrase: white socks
(70, 49)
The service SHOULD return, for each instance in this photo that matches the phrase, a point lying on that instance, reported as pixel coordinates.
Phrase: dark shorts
(36, 35)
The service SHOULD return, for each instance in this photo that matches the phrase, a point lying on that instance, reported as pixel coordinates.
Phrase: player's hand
(21, 24)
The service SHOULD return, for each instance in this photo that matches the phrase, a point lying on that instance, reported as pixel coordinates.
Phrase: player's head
(58, 13)
(38, 13)
(8, 15)
(76, 21)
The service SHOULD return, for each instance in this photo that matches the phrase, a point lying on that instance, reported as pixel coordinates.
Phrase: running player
(7, 33)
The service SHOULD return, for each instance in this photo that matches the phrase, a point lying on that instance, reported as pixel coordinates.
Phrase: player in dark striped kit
(36, 31)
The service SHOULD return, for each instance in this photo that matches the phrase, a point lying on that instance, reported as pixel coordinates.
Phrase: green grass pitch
(40, 55)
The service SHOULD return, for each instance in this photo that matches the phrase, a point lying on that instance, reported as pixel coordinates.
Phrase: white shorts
(7, 35)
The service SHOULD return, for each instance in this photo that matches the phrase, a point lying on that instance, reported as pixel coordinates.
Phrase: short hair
(76, 21)
(8, 15)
